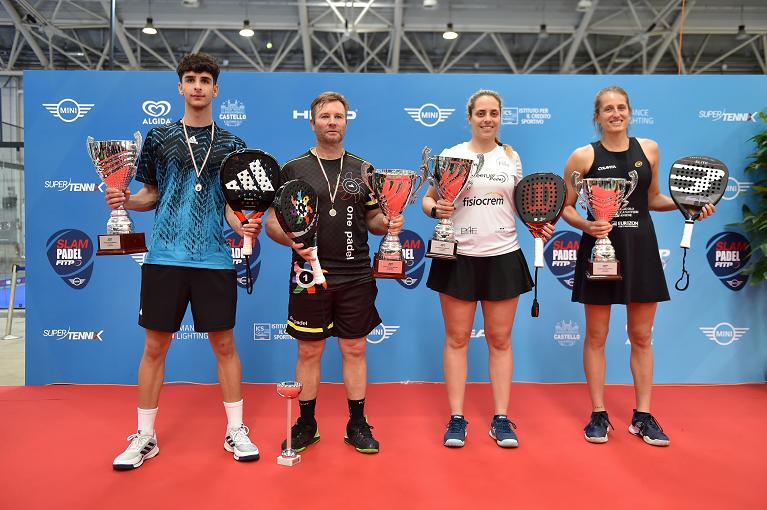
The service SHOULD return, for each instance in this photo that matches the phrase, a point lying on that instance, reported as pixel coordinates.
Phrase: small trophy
(450, 176)
(115, 162)
(393, 189)
(604, 197)
(289, 390)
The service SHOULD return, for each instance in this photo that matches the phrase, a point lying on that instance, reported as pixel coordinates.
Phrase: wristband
(434, 212)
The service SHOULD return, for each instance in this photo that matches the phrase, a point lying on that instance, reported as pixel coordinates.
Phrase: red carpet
(57, 444)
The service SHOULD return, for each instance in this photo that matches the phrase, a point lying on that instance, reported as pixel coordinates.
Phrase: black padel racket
(249, 178)
(539, 199)
(296, 209)
(693, 182)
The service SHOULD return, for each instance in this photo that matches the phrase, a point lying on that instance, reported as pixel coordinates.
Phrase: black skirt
(481, 278)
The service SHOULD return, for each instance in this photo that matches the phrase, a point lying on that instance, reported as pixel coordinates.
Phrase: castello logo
(728, 254)
(234, 241)
(70, 253)
(560, 254)
(413, 250)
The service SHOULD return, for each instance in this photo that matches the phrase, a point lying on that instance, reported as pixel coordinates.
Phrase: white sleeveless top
(484, 217)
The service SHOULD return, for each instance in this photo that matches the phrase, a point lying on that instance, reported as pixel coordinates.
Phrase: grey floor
(12, 350)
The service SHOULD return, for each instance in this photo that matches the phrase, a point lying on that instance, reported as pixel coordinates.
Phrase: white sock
(146, 420)
(233, 414)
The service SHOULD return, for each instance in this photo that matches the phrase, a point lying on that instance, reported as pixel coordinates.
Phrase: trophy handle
(632, 184)
(365, 171)
(425, 166)
(480, 163)
(577, 187)
(421, 180)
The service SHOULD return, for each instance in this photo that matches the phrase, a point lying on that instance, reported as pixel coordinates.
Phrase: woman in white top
(490, 267)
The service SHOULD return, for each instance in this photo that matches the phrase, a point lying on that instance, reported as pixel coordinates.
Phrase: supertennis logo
(561, 253)
(235, 243)
(69, 334)
(413, 251)
(728, 253)
(70, 253)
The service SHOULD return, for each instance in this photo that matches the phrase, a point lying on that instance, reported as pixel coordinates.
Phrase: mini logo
(728, 254)
(157, 111)
(262, 331)
(725, 116)
(306, 114)
(413, 251)
(139, 258)
(235, 243)
(68, 334)
(429, 114)
(724, 333)
(76, 187)
(381, 333)
(735, 188)
(68, 110)
(525, 115)
(232, 113)
(567, 333)
(477, 333)
(642, 116)
(561, 253)
(70, 253)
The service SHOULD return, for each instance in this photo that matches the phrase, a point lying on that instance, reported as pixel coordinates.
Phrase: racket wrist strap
(684, 281)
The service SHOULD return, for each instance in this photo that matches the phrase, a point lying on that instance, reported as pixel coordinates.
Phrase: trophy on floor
(449, 176)
(604, 198)
(116, 163)
(393, 189)
(289, 390)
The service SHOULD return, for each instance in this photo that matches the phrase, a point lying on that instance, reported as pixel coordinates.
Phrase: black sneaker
(644, 425)
(302, 434)
(455, 435)
(358, 435)
(596, 430)
(502, 430)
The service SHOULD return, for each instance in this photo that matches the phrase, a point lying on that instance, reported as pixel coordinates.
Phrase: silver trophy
(393, 189)
(604, 198)
(116, 163)
(450, 176)
(289, 390)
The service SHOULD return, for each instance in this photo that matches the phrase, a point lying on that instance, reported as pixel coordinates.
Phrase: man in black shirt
(344, 306)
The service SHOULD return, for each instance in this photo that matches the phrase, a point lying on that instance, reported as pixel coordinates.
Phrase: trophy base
(445, 250)
(383, 268)
(603, 270)
(121, 244)
(288, 461)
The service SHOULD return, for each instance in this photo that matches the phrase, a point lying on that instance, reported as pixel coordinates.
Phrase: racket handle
(538, 252)
(687, 234)
(319, 277)
(247, 244)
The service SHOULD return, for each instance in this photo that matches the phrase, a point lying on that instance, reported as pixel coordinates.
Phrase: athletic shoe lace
(601, 420)
(651, 423)
(240, 435)
(456, 425)
(138, 441)
(363, 429)
(504, 426)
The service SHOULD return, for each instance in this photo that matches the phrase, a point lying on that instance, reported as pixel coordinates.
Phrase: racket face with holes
(695, 181)
(249, 180)
(539, 199)
(296, 208)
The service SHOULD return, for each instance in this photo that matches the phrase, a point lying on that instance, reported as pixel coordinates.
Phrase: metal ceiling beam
(580, 33)
(421, 58)
(504, 52)
(396, 45)
(306, 42)
(124, 43)
(668, 37)
(464, 52)
(21, 27)
(237, 49)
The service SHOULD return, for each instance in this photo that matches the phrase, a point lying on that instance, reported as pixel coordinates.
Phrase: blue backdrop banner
(82, 309)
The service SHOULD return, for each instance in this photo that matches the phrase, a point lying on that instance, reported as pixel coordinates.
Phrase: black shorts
(481, 278)
(347, 311)
(167, 290)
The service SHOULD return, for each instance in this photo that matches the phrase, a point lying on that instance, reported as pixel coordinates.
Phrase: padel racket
(539, 199)
(296, 208)
(695, 181)
(249, 178)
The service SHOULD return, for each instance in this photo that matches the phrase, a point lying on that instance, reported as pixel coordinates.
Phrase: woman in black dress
(632, 234)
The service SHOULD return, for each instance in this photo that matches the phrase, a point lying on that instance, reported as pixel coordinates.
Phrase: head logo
(157, 111)
(68, 334)
(735, 188)
(728, 254)
(567, 333)
(413, 250)
(232, 113)
(235, 243)
(724, 333)
(68, 110)
(560, 254)
(70, 252)
(429, 114)
(307, 115)
(381, 333)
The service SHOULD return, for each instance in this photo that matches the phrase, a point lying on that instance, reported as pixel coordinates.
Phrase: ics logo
(567, 333)
(413, 250)
(724, 333)
(262, 331)
(68, 110)
(429, 114)
(560, 254)
(381, 333)
(728, 254)
(70, 253)
(235, 244)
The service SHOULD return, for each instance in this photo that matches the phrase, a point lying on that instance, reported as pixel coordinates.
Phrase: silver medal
(198, 187)
(332, 212)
